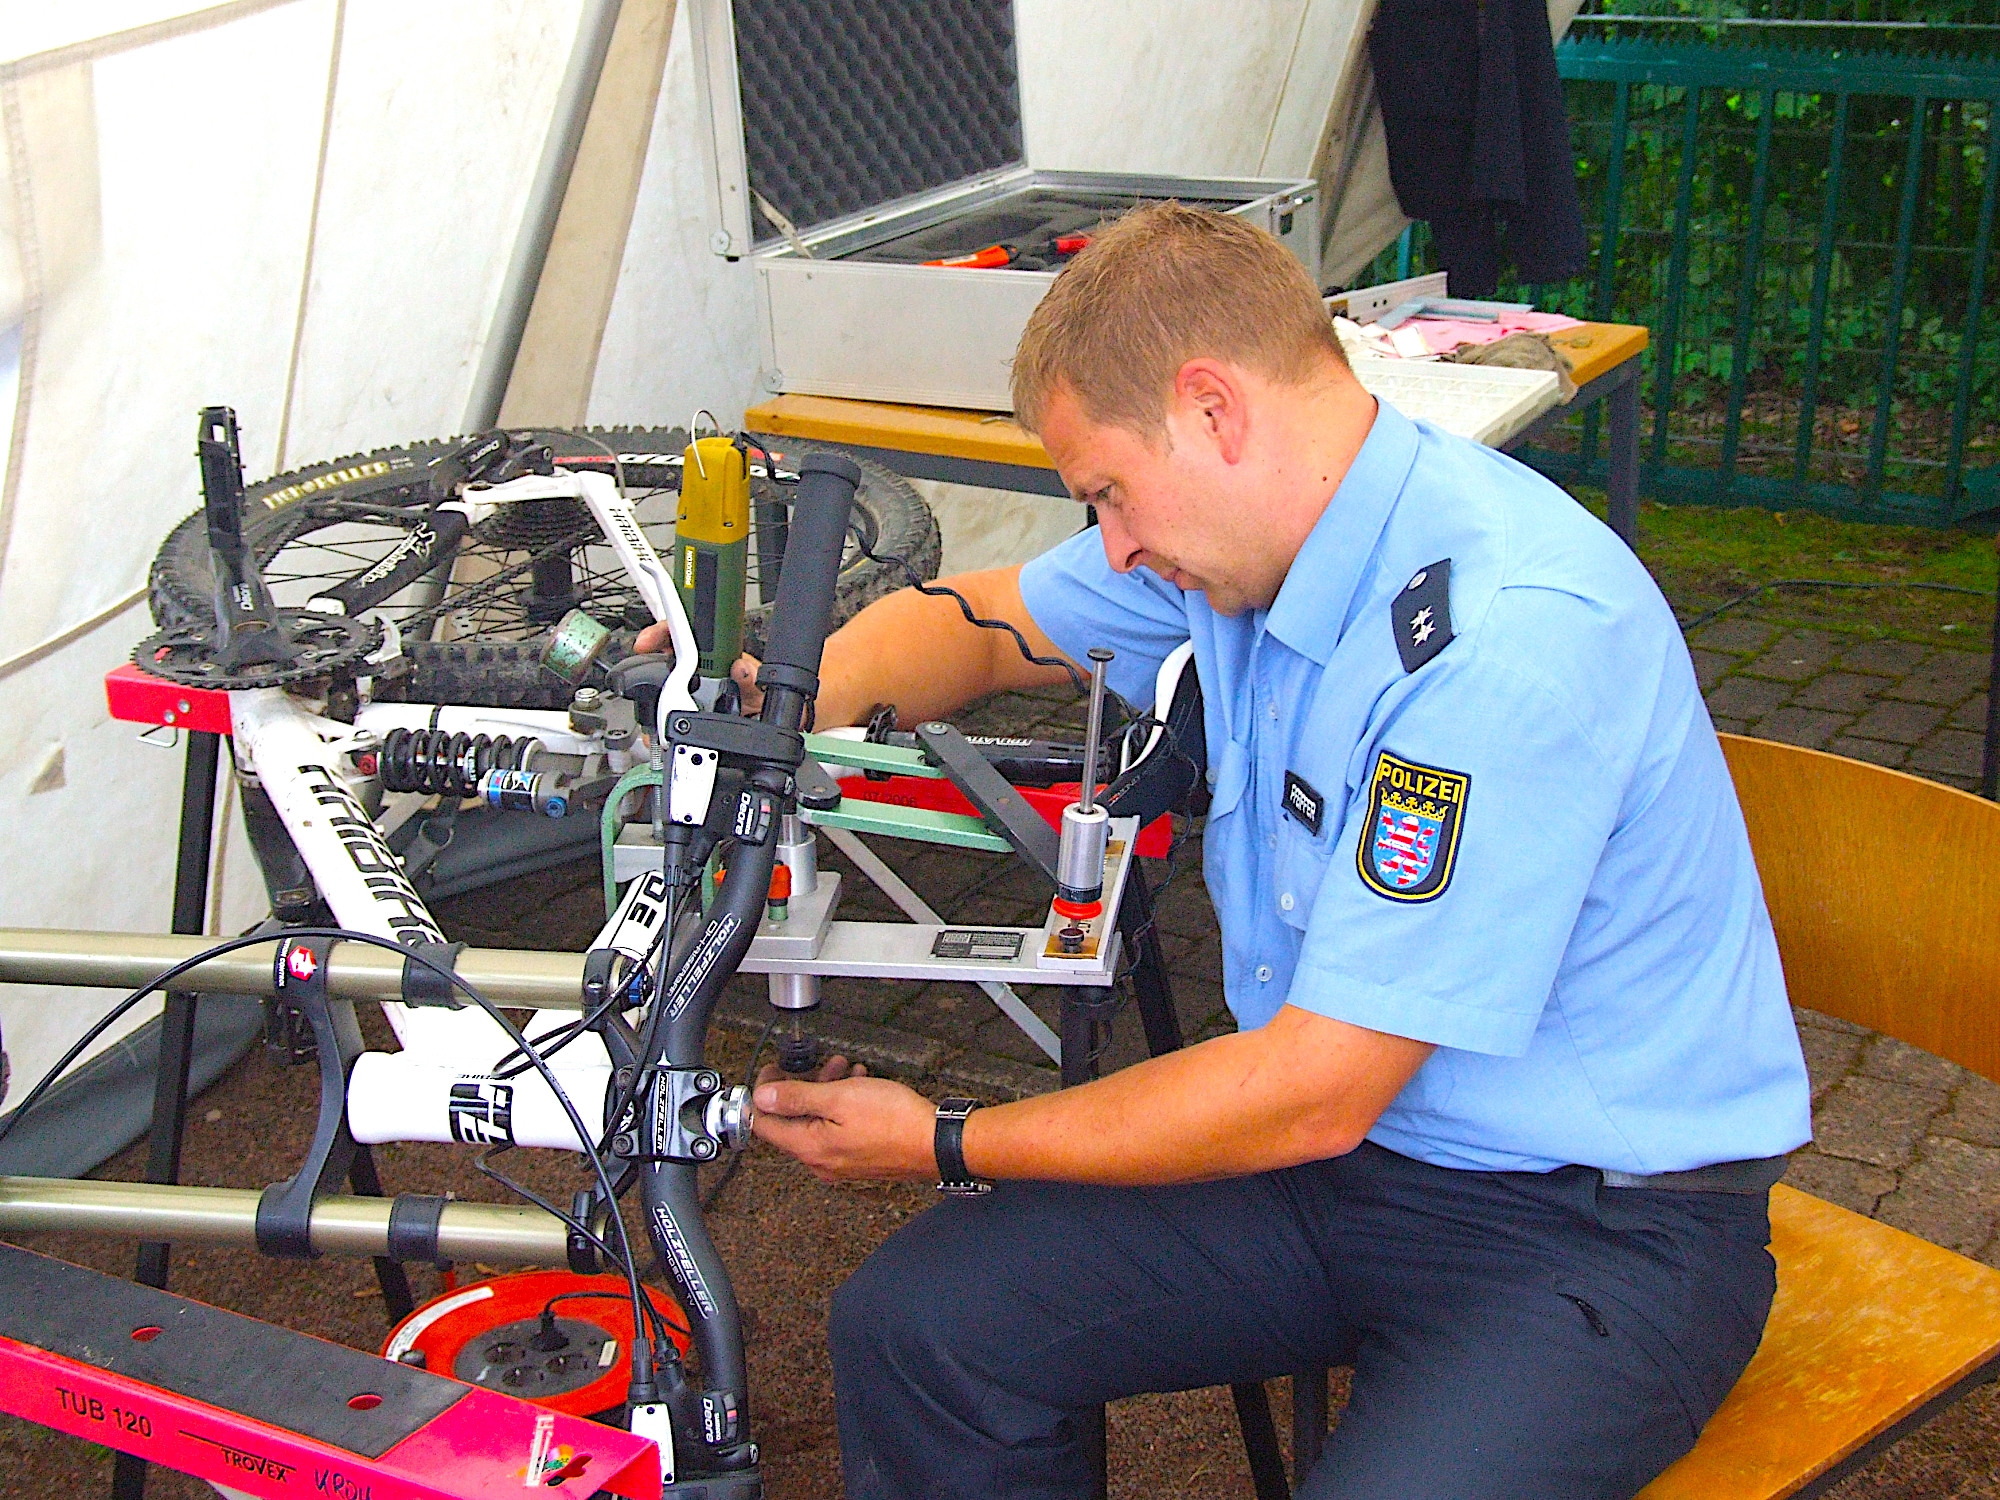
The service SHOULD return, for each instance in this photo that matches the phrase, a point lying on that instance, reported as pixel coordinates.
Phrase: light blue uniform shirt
(1530, 852)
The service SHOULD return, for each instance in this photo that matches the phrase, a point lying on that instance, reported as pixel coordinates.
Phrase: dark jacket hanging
(1478, 139)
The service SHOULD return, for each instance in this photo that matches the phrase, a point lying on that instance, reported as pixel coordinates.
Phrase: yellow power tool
(712, 548)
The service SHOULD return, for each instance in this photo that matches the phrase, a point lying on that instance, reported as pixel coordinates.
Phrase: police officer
(1514, 1069)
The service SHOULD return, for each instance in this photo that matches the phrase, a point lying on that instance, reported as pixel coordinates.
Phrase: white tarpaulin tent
(341, 218)
(305, 210)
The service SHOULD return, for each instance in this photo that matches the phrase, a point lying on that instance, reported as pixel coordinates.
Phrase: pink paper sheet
(1442, 335)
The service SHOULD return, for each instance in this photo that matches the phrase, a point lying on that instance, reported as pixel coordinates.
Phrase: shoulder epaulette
(1421, 615)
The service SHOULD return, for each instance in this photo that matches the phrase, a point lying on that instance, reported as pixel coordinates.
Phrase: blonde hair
(1161, 286)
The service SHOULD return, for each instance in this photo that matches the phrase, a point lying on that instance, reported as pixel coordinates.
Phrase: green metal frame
(920, 824)
(610, 822)
(896, 760)
(1679, 118)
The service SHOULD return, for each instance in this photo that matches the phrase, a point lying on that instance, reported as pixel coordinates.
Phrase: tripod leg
(170, 1074)
(1080, 1010)
(1150, 986)
(1260, 1441)
(1308, 1420)
(389, 1274)
(1091, 1428)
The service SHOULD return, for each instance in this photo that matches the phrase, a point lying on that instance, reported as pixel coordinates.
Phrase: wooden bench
(1885, 893)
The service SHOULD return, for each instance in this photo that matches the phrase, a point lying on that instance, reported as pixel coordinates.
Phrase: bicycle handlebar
(790, 678)
(818, 536)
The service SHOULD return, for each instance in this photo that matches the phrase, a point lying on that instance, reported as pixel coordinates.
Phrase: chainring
(185, 654)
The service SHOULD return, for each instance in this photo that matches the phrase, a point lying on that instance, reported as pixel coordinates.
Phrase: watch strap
(949, 1145)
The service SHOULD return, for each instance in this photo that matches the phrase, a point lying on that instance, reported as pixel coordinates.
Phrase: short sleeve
(1079, 602)
(1484, 803)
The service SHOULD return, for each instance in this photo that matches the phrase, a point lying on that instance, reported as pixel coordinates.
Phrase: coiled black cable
(1831, 583)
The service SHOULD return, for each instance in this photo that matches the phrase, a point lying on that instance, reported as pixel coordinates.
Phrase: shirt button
(1285, 902)
(1272, 708)
(1263, 973)
(1271, 840)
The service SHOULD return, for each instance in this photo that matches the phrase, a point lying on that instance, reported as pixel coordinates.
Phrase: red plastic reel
(444, 1327)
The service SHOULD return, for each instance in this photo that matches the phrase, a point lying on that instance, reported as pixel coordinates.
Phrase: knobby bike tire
(319, 524)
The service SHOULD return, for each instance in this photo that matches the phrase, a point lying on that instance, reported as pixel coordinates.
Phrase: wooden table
(987, 448)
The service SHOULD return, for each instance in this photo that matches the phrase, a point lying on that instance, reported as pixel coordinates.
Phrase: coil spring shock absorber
(448, 764)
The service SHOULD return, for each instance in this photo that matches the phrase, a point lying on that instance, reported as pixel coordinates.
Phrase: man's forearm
(1247, 1102)
(920, 654)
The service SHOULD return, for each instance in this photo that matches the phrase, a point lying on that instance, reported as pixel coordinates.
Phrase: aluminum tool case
(886, 135)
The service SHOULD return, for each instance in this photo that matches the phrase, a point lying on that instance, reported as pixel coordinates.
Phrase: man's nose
(1120, 549)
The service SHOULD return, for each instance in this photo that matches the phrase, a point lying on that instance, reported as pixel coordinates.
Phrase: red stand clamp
(135, 697)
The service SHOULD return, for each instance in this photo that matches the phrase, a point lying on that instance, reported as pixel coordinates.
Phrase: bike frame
(640, 1070)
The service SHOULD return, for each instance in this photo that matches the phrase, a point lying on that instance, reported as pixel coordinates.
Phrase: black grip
(827, 482)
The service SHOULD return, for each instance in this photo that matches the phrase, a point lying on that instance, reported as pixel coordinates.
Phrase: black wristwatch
(950, 1146)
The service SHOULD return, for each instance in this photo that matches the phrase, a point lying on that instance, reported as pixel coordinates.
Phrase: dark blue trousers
(1512, 1334)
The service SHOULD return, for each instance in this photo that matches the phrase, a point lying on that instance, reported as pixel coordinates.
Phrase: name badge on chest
(1305, 805)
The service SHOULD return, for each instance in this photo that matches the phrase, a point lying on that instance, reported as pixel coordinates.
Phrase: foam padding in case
(851, 105)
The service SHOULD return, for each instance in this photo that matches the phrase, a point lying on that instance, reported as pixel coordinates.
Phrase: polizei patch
(1410, 842)
(1303, 803)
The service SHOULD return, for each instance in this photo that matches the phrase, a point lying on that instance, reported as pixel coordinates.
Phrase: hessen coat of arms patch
(1410, 842)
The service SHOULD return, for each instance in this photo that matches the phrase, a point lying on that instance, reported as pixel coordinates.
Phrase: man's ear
(1211, 396)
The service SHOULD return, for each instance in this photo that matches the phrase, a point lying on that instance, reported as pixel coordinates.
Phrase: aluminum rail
(126, 960)
(228, 1216)
(574, 97)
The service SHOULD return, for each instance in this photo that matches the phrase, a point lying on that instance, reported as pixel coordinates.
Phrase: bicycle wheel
(476, 636)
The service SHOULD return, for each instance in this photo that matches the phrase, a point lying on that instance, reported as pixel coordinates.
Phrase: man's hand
(847, 1126)
(743, 673)
(914, 651)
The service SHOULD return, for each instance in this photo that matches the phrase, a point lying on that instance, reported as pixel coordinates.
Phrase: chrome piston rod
(356, 971)
(520, 1234)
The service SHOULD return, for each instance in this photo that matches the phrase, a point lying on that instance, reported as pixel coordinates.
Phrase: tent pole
(538, 223)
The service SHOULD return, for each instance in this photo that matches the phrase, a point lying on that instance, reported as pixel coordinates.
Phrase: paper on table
(1442, 335)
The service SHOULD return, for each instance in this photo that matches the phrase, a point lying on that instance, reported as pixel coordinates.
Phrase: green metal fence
(1809, 236)
(1885, 25)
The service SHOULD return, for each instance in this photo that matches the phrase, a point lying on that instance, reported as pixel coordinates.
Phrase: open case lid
(831, 108)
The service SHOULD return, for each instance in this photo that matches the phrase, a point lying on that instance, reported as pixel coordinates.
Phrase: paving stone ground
(1889, 702)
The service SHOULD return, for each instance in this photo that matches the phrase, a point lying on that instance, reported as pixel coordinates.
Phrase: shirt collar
(1317, 595)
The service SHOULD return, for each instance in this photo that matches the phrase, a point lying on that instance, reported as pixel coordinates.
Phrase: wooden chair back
(1885, 893)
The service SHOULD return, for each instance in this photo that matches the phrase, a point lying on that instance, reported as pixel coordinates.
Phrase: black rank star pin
(1421, 615)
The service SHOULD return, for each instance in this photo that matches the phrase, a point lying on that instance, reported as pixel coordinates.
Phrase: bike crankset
(311, 645)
